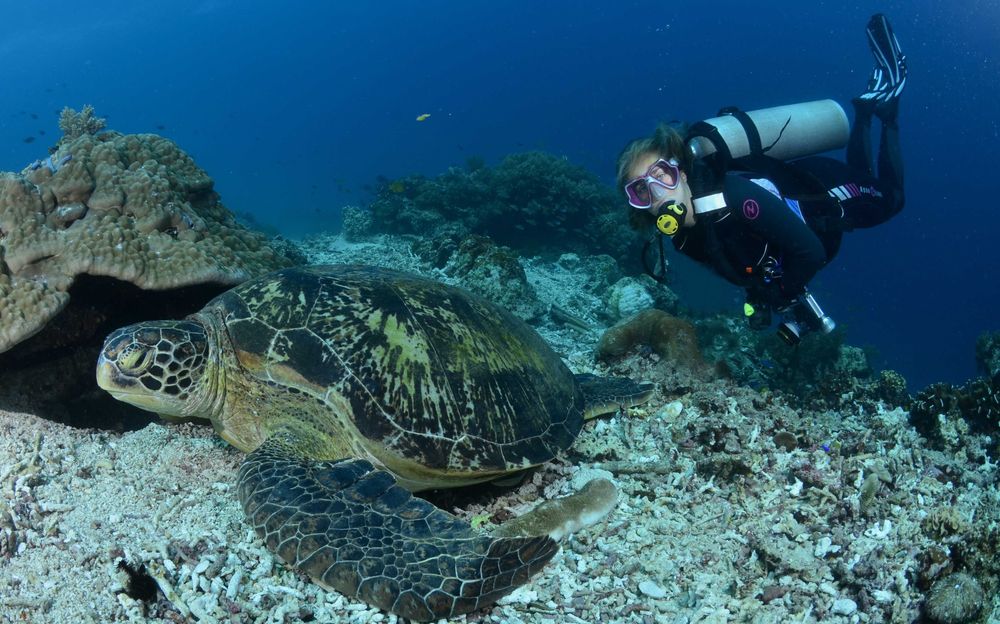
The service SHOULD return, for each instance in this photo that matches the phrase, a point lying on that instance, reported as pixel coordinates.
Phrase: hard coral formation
(988, 353)
(76, 124)
(891, 388)
(132, 207)
(955, 599)
(494, 271)
(357, 223)
(530, 201)
(944, 522)
(940, 407)
(672, 338)
(631, 295)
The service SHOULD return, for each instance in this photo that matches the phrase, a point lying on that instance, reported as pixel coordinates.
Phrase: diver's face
(680, 194)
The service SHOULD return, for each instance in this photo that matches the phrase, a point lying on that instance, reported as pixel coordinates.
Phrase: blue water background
(294, 107)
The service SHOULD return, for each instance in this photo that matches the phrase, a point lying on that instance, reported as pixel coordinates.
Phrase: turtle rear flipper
(351, 528)
(605, 395)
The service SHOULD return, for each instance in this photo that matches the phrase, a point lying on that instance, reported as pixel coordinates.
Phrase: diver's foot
(889, 76)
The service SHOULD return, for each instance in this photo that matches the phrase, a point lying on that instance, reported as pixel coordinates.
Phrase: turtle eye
(135, 360)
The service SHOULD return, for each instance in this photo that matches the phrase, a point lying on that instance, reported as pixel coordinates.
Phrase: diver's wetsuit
(758, 230)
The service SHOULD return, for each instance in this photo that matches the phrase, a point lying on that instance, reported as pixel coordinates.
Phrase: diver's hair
(667, 142)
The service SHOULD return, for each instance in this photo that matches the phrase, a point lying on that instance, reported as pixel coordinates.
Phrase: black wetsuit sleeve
(788, 238)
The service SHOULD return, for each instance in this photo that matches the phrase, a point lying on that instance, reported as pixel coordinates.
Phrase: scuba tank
(788, 132)
(762, 141)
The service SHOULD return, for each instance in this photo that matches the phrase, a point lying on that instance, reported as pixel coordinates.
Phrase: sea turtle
(350, 387)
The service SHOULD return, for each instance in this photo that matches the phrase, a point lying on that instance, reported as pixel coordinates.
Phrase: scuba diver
(763, 222)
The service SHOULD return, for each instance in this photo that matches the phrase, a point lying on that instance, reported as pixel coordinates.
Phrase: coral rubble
(813, 501)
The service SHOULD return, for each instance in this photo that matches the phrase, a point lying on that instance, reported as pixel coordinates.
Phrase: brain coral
(131, 207)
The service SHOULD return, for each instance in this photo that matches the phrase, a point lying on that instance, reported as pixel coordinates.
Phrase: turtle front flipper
(605, 395)
(351, 528)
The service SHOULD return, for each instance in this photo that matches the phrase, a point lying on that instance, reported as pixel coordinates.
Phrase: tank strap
(718, 163)
(722, 160)
(753, 136)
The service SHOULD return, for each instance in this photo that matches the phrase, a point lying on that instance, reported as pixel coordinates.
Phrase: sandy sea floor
(733, 507)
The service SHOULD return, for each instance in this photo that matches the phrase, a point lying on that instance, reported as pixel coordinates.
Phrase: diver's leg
(890, 167)
(859, 146)
(891, 61)
(880, 99)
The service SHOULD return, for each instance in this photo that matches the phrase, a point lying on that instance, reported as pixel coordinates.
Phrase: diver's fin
(889, 77)
(876, 86)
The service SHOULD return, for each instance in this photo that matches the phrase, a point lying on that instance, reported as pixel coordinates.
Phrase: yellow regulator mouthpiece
(667, 224)
(670, 221)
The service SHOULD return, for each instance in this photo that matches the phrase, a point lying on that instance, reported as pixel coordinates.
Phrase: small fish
(29, 139)
(397, 187)
(423, 117)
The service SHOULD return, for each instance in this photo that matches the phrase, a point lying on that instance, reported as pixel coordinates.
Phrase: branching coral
(76, 124)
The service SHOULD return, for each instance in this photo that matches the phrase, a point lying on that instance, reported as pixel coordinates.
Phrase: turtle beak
(123, 387)
(110, 378)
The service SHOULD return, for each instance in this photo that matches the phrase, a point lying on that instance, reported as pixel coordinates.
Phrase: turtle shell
(431, 373)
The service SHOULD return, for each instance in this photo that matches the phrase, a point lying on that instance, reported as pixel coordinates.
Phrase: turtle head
(160, 366)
